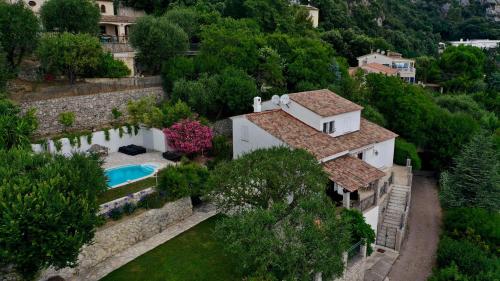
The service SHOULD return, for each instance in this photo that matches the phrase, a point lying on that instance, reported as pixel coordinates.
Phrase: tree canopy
(157, 40)
(49, 208)
(474, 181)
(69, 54)
(18, 32)
(266, 177)
(75, 16)
(281, 224)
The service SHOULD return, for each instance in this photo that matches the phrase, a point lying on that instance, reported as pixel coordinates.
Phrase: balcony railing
(364, 204)
(105, 38)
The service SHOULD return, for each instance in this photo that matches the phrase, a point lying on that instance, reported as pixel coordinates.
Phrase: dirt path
(417, 255)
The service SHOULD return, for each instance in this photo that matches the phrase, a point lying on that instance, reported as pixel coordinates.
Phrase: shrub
(67, 119)
(116, 113)
(189, 136)
(109, 67)
(151, 201)
(15, 129)
(183, 180)
(449, 273)
(115, 214)
(404, 150)
(221, 148)
(175, 112)
(145, 111)
(129, 208)
(470, 258)
(175, 69)
(465, 222)
(359, 228)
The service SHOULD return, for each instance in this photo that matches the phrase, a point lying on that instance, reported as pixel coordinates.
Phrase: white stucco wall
(379, 155)
(303, 114)
(257, 137)
(34, 5)
(149, 138)
(109, 7)
(384, 158)
(344, 123)
(371, 218)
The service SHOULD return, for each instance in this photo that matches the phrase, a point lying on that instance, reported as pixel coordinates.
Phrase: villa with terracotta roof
(356, 154)
(388, 63)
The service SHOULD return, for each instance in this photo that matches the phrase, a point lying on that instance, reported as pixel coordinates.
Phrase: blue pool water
(123, 174)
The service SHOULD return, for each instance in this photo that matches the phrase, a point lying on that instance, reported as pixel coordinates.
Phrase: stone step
(392, 218)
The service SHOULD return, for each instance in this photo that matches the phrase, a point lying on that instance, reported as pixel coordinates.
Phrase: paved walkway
(417, 255)
(379, 264)
(118, 159)
(140, 248)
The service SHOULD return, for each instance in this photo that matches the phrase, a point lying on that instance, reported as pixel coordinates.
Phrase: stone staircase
(393, 216)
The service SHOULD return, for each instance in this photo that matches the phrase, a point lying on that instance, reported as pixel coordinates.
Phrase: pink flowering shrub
(189, 136)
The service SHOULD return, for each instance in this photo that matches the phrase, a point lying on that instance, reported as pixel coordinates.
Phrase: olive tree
(71, 54)
(75, 16)
(18, 32)
(280, 223)
(157, 39)
(49, 208)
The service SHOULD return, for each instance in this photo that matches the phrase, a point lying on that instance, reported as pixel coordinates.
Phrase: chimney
(257, 107)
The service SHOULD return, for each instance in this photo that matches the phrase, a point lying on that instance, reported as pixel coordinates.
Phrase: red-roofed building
(388, 63)
(356, 154)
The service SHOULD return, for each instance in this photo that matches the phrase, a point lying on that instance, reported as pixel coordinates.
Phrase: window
(329, 127)
(244, 133)
(103, 9)
(32, 3)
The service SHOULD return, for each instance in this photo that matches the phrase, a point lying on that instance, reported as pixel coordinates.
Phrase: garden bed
(193, 255)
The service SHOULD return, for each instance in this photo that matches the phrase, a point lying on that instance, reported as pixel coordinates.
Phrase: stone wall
(91, 111)
(223, 127)
(116, 238)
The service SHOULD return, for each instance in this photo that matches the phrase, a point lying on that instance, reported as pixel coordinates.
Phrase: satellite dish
(383, 52)
(285, 99)
(275, 99)
(378, 50)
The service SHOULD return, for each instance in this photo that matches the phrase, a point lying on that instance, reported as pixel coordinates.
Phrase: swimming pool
(122, 175)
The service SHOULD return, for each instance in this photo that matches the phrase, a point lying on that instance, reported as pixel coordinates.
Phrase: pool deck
(119, 159)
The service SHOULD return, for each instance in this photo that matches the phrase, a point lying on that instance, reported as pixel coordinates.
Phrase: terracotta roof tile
(351, 173)
(324, 102)
(379, 68)
(300, 135)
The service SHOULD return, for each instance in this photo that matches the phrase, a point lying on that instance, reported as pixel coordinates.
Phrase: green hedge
(404, 150)
(182, 180)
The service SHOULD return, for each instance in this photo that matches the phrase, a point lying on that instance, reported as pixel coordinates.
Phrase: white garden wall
(371, 218)
(153, 139)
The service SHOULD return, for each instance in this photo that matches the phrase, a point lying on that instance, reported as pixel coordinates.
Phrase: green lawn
(192, 256)
(125, 190)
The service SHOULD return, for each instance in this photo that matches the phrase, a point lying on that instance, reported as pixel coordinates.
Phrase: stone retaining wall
(223, 127)
(114, 239)
(91, 111)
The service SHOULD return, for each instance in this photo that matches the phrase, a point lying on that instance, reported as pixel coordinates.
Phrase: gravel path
(417, 256)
